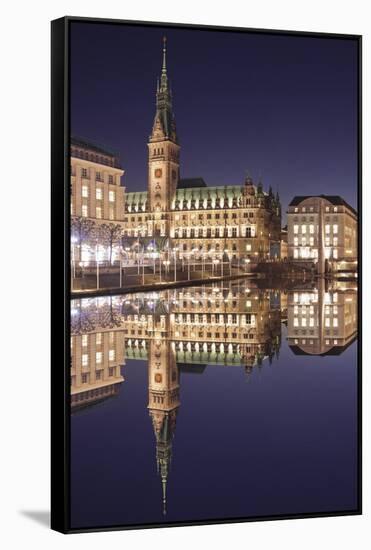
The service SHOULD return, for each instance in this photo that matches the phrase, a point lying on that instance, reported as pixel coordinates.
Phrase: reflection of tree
(82, 320)
(109, 316)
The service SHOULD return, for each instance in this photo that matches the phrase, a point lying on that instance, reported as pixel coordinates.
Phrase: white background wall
(24, 302)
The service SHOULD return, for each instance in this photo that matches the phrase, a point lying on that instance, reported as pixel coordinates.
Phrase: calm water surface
(211, 403)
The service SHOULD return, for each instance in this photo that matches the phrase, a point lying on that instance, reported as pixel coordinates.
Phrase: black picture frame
(60, 272)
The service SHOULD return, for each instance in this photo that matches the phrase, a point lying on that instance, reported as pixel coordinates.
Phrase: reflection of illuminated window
(296, 310)
(327, 241)
(335, 229)
(98, 357)
(335, 241)
(296, 229)
(84, 210)
(296, 297)
(327, 229)
(311, 229)
(85, 191)
(85, 359)
(335, 297)
(335, 310)
(296, 322)
(311, 241)
(296, 241)
(296, 253)
(98, 194)
(98, 212)
(111, 355)
(303, 241)
(335, 253)
(303, 229)
(327, 310)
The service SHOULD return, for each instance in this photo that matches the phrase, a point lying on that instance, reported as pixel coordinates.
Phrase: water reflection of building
(322, 321)
(97, 354)
(163, 403)
(210, 325)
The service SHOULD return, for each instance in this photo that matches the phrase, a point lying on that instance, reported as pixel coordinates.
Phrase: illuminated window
(335, 241)
(327, 209)
(99, 193)
(303, 229)
(327, 321)
(85, 359)
(111, 213)
(296, 241)
(98, 212)
(303, 241)
(296, 322)
(327, 229)
(98, 357)
(84, 210)
(296, 310)
(111, 337)
(311, 229)
(98, 338)
(248, 303)
(327, 241)
(296, 229)
(311, 241)
(335, 208)
(296, 209)
(111, 196)
(248, 247)
(84, 340)
(335, 322)
(335, 228)
(335, 310)
(335, 253)
(85, 191)
(303, 322)
(296, 297)
(111, 355)
(303, 209)
(311, 322)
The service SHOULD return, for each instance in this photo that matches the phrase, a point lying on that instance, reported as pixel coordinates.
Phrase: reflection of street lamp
(166, 264)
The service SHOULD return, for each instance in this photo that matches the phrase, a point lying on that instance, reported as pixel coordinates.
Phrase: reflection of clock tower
(163, 156)
(163, 398)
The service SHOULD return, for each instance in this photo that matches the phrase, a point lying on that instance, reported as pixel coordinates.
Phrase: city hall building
(182, 215)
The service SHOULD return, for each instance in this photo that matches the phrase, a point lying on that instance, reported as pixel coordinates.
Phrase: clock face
(158, 173)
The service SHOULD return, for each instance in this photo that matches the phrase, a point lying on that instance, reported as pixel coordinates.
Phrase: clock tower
(163, 156)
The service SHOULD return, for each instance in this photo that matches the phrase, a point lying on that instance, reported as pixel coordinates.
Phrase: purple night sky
(282, 107)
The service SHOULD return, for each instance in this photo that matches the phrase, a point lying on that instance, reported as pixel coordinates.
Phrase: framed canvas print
(206, 250)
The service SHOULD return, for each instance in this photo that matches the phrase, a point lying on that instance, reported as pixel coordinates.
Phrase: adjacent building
(322, 229)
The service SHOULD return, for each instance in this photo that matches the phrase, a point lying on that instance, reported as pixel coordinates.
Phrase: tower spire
(164, 55)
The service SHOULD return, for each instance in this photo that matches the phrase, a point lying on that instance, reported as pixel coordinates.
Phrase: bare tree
(110, 234)
(82, 229)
